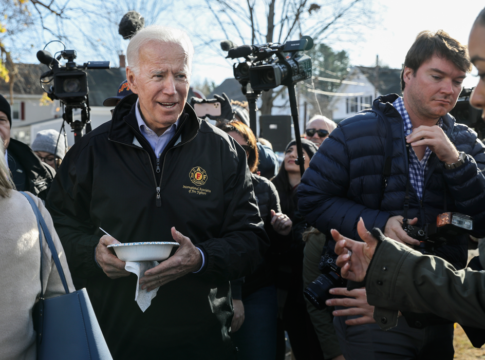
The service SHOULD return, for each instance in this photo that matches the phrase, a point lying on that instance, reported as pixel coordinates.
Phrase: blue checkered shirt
(417, 168)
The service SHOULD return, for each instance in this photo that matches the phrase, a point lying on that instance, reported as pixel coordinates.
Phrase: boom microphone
(45, 57)
(130, 24)
(227, 45)
(240, 51)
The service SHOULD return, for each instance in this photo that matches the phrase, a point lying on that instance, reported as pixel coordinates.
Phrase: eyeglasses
(321, 132)
(47, 159)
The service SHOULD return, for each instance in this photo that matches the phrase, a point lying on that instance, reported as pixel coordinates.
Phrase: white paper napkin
(142, 297)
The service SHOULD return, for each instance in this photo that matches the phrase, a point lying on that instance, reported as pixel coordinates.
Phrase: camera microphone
(240, 51)
(130, 24)
(227, 45)
(45, 57)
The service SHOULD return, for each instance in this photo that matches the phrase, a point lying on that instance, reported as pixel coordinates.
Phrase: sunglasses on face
(321, 132)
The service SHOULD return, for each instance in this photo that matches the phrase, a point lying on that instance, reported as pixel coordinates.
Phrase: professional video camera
(431, 235)
(318, 291)
(70, 85)
(268, 66)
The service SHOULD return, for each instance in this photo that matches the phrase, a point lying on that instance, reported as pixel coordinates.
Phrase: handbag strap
(47, 235)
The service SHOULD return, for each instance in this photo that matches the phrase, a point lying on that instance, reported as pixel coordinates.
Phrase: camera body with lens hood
(70, 83)
(70, 86)
(318, 290)
(448, 226)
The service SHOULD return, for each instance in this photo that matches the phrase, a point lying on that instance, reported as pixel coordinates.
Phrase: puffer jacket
(344, 180)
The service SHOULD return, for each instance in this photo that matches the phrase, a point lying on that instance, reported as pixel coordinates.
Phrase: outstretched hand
(354, 256)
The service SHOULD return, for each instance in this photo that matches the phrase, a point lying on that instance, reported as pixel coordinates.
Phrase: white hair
(330, 124)
(163, 34)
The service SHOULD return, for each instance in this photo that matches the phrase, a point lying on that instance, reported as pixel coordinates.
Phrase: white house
(361, 87)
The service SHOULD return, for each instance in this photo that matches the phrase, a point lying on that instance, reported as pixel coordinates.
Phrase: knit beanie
(5, 108)
(46, 140)
(243, 113)
(307, 145)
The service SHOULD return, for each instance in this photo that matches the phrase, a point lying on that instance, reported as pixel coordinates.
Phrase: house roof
(26, 81)
(389, 80)
(231, 88)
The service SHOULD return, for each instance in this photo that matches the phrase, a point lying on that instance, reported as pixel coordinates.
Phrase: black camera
(432, 235)
(70, 80)
(70, 85)
(318, 291)
(266, 67)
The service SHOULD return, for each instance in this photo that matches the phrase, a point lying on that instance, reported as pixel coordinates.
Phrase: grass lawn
(464, 350)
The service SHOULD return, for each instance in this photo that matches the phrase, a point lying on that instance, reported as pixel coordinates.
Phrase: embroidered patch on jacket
(198, 176)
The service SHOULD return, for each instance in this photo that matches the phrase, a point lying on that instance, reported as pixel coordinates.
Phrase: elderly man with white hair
(318, 129)
(155, 173)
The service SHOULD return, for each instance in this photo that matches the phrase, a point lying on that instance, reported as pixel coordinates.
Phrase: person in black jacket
(406, 159)
(253, 327)
(292, 314)
(28, 173)
(156, 172)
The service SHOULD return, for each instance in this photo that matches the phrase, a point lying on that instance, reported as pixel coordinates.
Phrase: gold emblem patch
(198, 176)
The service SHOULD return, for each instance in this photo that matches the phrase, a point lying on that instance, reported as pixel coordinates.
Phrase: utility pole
(376, 82)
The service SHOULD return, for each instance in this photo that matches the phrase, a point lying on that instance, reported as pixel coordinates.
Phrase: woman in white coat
(20, 281)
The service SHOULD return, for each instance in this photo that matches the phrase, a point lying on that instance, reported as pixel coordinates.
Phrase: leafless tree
(268, 21)
(19, 17)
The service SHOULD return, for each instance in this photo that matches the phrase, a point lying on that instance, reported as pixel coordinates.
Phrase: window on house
(16, 111)
(352, 104)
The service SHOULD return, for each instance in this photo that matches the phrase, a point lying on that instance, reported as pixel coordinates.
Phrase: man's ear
(407, 74)
(131, 78)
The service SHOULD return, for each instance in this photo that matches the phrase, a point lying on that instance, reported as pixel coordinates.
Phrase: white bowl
(143, 251)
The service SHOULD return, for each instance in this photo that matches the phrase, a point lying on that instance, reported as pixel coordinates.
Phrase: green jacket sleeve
(322, 320)
(402, 279)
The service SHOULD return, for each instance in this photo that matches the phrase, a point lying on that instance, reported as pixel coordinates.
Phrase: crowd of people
(256, 233)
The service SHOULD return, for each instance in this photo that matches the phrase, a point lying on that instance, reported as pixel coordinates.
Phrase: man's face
(162, 84)
(4, 129)
(313, 134)
(432, 91)
(476, 48)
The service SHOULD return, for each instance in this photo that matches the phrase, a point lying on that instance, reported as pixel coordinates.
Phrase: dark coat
(36, 175)
(268, 199)
(343, 182)
(107, 180)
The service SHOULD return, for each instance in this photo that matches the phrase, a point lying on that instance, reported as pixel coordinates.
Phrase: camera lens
(72, 85)
(269, 76)
(318, 291)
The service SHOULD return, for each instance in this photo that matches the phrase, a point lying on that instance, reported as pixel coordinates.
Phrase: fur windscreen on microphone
(130, 24)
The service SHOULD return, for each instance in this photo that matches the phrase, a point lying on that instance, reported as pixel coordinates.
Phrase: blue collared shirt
(158, 143)
(417, 168)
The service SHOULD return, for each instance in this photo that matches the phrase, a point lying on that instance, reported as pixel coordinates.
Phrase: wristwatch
(460, 162)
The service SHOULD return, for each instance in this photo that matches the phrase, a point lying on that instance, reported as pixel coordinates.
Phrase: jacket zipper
(157, 197)
(165, 158)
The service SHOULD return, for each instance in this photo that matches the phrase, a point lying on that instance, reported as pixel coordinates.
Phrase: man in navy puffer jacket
(345, 179)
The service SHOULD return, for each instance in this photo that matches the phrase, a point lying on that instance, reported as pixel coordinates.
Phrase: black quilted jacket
(343, 182)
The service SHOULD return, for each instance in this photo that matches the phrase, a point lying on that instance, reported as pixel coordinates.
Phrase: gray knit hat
(46, 140)
(243, 113)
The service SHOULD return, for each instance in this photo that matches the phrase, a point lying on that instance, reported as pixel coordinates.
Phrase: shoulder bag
(66, 325)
